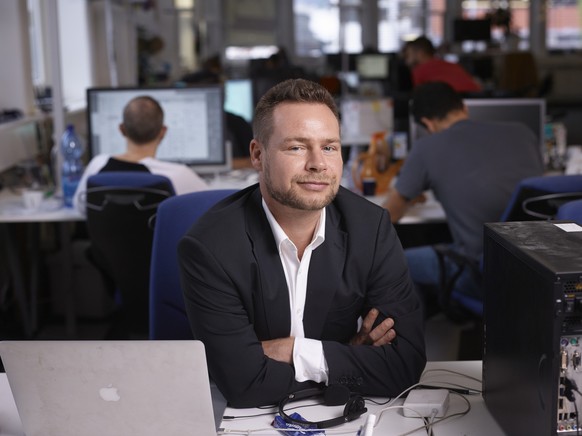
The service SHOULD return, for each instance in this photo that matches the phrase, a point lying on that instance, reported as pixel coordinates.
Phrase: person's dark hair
(423, 44)
(435, 100)
(143, 119)
(289, 91)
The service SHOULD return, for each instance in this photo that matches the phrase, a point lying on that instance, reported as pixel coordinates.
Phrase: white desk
(478, 422)
(431, 211)
(10, 424)
(12, 211)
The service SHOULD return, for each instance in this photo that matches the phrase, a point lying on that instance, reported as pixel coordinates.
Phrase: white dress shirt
(308, 357)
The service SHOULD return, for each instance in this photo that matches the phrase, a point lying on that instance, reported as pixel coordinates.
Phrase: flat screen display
(361, 117)
(372, 66)
(529, 111)
(471, 30)
(194, 117)
(238, 98)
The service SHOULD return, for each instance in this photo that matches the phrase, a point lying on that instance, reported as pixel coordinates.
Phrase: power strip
(424, 403)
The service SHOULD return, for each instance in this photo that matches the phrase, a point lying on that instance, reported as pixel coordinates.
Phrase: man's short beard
(293, 199)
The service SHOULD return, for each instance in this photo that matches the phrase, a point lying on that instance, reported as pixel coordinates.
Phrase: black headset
(333, 395)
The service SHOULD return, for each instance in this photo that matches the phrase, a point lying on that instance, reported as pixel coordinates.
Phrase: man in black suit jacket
(276, 276)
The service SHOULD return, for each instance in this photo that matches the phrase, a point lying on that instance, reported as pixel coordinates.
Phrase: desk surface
(51, 210)
(391, 422)
(478, 422)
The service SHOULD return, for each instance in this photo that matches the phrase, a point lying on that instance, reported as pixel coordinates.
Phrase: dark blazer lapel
(325, 275)
(272, 297)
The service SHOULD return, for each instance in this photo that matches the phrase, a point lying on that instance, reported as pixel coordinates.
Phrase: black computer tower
(532, 326)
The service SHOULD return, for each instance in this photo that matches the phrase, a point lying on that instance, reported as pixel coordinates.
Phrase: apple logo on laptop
(109, 393)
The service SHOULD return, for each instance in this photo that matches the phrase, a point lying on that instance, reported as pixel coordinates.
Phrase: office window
(318, 24)
(564, 25)
(404, 20)
(249, 29)
(39, 77)
(74, 45)
(517, 14)
(187, 35)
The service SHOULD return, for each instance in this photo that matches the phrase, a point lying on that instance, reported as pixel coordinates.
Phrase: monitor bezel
(383, 56)
(540, 102)
(224, 165)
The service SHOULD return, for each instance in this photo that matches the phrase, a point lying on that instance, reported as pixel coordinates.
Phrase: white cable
(451, 372)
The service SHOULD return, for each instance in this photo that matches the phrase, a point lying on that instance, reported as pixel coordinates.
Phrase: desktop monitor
(373, 66)
(529, 111)
(238, 98)
(194, 116)
(471, 30)
(361, 117)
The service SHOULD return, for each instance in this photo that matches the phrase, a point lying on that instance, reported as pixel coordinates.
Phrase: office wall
(15, 73)
(124, 45)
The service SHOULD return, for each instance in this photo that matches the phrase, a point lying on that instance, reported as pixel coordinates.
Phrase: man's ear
(256, 150)
(429, 124)
(163, 131)
(122, 129)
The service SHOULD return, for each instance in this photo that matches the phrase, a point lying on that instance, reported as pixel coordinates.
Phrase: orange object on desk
(376, 163)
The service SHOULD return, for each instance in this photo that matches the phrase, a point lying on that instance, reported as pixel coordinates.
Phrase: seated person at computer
(276, 276)
(420, 57)
(472, 167)
(143, 127)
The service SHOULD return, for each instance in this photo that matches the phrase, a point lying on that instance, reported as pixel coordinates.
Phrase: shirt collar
(281, 236)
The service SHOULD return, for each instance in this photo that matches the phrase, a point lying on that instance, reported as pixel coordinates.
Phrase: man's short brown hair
(143, 119)
(289, 91)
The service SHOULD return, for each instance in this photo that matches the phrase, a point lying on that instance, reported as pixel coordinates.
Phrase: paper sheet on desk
(15, 206)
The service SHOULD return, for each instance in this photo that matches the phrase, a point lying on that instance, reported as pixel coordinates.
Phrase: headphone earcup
(355, 407)
(336, 395)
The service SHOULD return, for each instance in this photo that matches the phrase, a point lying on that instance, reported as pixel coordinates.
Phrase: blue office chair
(168, 319)
(120, 206)
(540, 197)
(534, 198)
(571, 211)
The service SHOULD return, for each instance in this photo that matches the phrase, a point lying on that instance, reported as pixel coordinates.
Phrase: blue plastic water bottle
(72, 166)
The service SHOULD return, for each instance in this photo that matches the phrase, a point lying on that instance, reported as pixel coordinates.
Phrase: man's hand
(419, 199)
(381, 335)
(280, 350)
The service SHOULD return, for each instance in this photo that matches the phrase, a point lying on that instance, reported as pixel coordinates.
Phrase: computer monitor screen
(529, 111)
(361, 117)
(471, 30)
(238, 98)
(194, 117)
(373, 66)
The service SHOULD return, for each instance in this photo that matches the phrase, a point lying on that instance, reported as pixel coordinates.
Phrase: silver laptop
(86, 388)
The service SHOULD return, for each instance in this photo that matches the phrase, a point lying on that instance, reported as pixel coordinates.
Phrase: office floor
(445, 340)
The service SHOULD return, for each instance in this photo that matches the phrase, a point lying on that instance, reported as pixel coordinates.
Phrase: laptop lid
(96, 388)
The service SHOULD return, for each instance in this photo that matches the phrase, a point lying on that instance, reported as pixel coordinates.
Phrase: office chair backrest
(168, 319)
(571, 211)
(119, 207)
(558, 189)
(527, 190)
